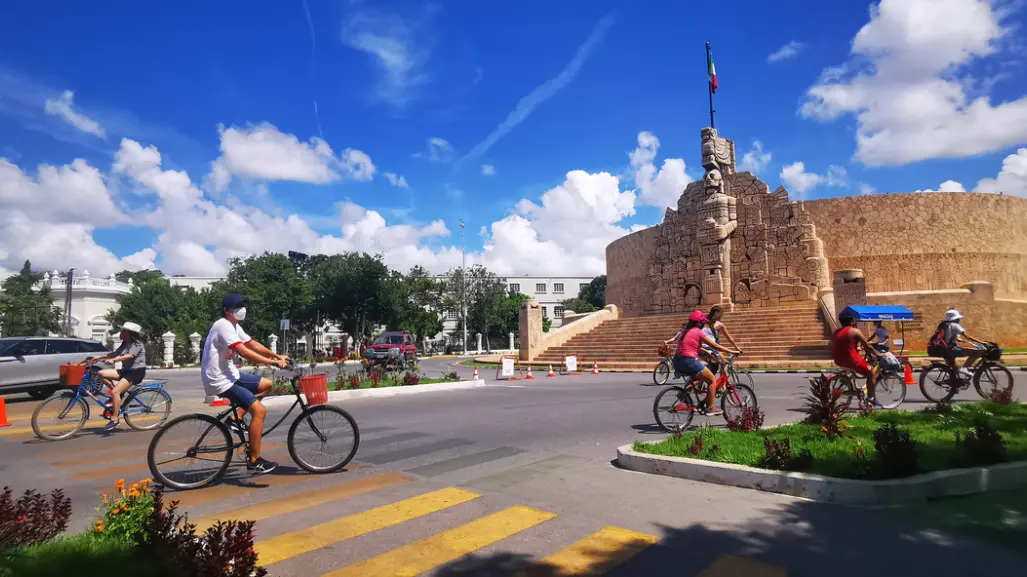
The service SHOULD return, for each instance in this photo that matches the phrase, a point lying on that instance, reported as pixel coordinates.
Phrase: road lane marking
(240, 483)
(125, 470)
(312, 498)
(730, 566)
(86, 427)
(464, 461)
(424, 555)
(385, 441)
(524, 473)
(313, 538)
(593, 555)
(400, 454)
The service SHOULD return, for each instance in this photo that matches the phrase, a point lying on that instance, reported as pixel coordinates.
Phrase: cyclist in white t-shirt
(221, 378)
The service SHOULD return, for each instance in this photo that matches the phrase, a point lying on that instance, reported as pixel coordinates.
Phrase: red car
(391, 345)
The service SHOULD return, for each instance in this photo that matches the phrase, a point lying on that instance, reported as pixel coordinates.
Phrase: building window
(545, 312)
(558, 312)
(581, 286)
(515, 287)
(557, 287)
(540, 287)
(450, 315)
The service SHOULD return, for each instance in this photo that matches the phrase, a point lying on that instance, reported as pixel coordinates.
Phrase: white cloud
(947, 186)
(439, 150)
(658, 188)
(796, 178)
(866, 189)
(914, 97)
(391, 44)
(1013, 177)
(263, 153)
(488, 169)
(544, 91)
(756, 159)
(786, 52)
(396, 180)
(62, 106)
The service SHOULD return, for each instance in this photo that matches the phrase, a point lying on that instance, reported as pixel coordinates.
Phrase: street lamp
(463, 283)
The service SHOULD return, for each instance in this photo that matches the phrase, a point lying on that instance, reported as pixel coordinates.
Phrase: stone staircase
(768, 336)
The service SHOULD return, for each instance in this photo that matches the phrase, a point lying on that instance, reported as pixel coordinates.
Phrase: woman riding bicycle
(686, 357)
(132, 356)
(715, 328)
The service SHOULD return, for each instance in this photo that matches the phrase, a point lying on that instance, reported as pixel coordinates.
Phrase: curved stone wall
(927, 240)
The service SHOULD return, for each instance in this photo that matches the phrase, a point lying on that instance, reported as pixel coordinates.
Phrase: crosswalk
(410, 504)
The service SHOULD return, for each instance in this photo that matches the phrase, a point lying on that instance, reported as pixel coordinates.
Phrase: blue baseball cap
(233, 301)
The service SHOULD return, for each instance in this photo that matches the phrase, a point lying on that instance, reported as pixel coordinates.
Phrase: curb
(830, 489)
(333, 396)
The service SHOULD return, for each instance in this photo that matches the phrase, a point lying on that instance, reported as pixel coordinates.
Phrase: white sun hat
(132, 328)
(952, 315)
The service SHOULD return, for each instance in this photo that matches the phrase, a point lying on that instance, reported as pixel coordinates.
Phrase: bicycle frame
(91, 380)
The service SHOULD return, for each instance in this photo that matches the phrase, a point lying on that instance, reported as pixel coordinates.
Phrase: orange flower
(120, 484)
(99, 526)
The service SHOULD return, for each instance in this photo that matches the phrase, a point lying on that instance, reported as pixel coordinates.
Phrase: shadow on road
(801, 539)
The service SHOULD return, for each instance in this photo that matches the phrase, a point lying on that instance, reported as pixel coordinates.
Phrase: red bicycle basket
(664, 350)
(71, 374)
(315, 387)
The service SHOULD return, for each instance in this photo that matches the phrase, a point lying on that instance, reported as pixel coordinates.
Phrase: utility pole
(463, 283)
(67, 302)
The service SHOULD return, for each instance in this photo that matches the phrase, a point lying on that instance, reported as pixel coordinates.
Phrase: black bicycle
(939, 383)
(208, 440)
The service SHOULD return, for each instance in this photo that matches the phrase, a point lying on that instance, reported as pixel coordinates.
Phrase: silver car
(32, 364)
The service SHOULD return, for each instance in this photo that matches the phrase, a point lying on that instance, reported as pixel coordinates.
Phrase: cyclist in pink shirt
(686, 359)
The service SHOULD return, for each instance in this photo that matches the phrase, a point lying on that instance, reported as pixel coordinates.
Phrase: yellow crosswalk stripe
(303, 541)
(593, 555)
(731, 566)
(312, 498)
(426, 554)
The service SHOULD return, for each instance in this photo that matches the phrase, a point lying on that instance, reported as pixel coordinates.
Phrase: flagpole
(709, 86)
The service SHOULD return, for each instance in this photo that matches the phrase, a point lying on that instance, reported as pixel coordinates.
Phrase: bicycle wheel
(60, 416)
(661, 372)
(849, 391)
(196, 437)
(891, 390)
(741, 376)
(734, 403)
(993, 379)
(934, 383)
(674, 412)
(317, 426)
(141, 406)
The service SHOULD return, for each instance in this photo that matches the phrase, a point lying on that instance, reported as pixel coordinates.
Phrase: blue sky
(278, 126)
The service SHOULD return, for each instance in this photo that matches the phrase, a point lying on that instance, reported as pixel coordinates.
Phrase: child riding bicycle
(132, 356)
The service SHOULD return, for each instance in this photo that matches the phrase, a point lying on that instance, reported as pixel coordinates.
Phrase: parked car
(391, 345)
(32, 364)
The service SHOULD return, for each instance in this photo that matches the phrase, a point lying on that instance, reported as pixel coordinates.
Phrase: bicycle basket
(664, 350)
(994, 353)
(315, 387)
(71, 374)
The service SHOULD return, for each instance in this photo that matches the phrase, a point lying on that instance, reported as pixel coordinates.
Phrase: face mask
(240, 314)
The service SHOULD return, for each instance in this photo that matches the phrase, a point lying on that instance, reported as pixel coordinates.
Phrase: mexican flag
(712, 70)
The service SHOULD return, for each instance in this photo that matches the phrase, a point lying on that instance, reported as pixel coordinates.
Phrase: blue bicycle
(145, 407)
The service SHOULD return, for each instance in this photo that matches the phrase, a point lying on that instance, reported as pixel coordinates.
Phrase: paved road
(491, 480)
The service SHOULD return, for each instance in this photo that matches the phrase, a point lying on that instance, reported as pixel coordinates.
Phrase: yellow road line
(595, 554)
(299, 542)
(310, 499)
(424, 555)
(6, 432)
(730, 566)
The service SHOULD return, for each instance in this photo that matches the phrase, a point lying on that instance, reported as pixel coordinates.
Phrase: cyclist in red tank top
(845, 346)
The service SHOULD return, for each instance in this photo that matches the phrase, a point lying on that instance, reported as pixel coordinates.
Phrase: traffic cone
(528, 377)
(220, 403)
(909, 374)
(551, 373)
(3, 414)
(595, 368)
(476, 373)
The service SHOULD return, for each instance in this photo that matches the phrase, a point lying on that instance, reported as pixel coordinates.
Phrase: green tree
(417, 302)
(482, 295)
(594, 292)
(25, 311)
(354, 290)
(508, 313)
(159, 307)
(578, 305)
(138, 276)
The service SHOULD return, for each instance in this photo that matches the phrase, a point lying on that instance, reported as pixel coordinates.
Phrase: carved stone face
(713, 182)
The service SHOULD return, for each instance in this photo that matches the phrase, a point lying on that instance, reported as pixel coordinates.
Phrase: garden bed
(854, 455)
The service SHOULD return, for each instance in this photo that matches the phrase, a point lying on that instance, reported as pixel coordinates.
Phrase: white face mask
(240, 314)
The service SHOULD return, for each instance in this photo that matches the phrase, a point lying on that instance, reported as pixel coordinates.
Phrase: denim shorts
(688, 366)
(244, 391)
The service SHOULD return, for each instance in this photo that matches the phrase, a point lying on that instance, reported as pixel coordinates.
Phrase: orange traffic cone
(220, 403)
(3, 414)
(528, 377)
(909, 374)
(551, 373)
(476, 373)
(595, 368)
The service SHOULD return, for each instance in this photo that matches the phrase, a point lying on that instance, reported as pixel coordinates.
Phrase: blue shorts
(244, 391)
(688, 366)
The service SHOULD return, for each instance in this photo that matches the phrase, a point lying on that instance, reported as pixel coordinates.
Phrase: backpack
(937, 346)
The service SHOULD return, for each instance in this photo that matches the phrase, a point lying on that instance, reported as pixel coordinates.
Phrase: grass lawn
(999, 517)
(86, 555)
(365, 384)
(934, 433)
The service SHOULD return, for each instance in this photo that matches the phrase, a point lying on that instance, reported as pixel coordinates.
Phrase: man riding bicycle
(954, 334)
(221, 378)
(845, 345)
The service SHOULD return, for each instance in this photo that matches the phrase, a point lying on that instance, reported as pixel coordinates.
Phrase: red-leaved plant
(751, 420)
(822, 406)
(32, 518)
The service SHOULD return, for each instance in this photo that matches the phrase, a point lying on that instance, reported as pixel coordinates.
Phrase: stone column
(194, 344)
(169, 348)
(478, 337)
(850, 288)
(511, 342)
(272, 341)
(530, 330)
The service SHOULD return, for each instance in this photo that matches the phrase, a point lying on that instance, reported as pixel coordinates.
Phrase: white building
(91, 300)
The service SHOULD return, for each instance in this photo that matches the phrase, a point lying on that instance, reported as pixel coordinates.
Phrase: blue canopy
(879, 312)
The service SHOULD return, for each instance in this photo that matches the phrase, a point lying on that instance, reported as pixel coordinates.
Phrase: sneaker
(714, 412)
(110, 426)
(965, 373)
(237, 428)
(261, 466)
